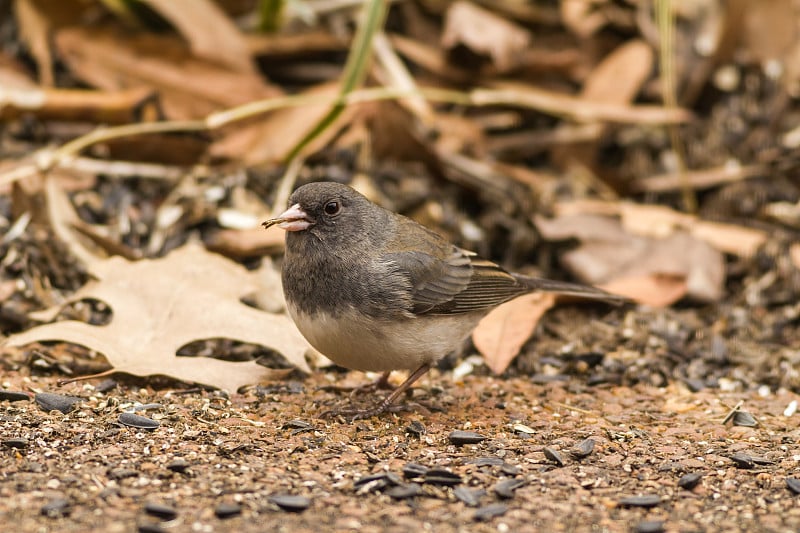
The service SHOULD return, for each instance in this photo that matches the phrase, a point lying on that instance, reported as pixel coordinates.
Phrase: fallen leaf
(656, 290)
(277, 133)
(609, 253)
(652, 220)
(189, 87)
(617, 79)
(485, 34)
(794, 253)
(582, 17)
(242, 243)
(160, 305)
(211, 34)
(501, 334)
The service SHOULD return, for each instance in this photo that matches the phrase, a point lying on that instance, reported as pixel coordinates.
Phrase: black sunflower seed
(553, 455)
(416, 429)
(743, 460)
(650, 526)
(14, 396)
(441, 476)
(647, 500)
(460, 438)
(19, 443)
(138, 421)
(582, 449)
(164, 512)
(690, 480)
(505, 488)
(178, 465)
(404, 491)
(414, 470)
(470, 497)
(793, 484)
(744, 419)
(55, 508)
(56, 402)
(486, 461)
(291, 503)
(490, 511)
(227, 510)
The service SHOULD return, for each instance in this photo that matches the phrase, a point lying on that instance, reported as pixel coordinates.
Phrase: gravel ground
(558, 456)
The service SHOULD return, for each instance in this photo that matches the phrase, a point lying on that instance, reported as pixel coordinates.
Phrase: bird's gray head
(331, 213)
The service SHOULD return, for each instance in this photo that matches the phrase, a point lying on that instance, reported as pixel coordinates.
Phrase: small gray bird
(376, 291)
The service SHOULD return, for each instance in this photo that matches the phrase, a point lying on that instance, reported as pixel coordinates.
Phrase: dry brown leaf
(502, 333)
(189, 87)
(160, 305)
(242, 243)
(210, 32)
(616, 80)
(608, 253)
(37, 19)
(276, 134)
(794, 253)
(655, 220)
(485, 33)
(770, 29)
(656, 290)
(581, 17)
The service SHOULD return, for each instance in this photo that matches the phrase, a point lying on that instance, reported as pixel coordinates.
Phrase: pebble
(138, 421)
(56, 508)
(459, 438)
(490, 511)
(647, 500)
(227, 510)
(14, 396)
(56, 402)
(690, 480)
(106, 385)
(291, 503)
(159, 510)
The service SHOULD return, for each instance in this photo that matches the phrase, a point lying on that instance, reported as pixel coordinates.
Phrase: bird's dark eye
(332, 208)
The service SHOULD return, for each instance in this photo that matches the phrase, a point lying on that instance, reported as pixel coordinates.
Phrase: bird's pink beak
(293, 219)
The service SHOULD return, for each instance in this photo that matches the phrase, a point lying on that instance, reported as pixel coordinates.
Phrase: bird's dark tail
(571, 289)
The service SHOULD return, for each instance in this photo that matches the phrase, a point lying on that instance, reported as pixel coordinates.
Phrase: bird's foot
(388, 405)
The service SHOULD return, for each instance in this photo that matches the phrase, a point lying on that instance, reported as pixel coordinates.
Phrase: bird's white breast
(355, 341)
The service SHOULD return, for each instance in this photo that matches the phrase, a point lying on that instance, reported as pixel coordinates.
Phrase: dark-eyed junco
(376, 291)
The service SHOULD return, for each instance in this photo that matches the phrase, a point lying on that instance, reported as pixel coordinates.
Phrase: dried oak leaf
(160, 305)
(501, 334)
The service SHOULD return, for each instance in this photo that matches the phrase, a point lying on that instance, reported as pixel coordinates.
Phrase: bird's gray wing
(453, 283)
